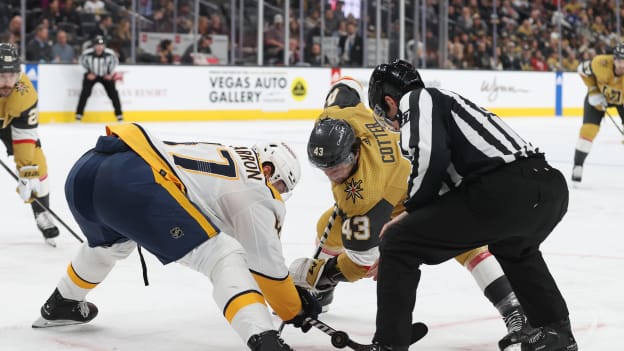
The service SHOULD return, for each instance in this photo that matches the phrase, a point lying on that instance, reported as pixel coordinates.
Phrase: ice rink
(176, 312)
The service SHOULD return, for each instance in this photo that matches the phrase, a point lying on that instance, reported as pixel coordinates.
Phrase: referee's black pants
(87, 88)
(512, 209)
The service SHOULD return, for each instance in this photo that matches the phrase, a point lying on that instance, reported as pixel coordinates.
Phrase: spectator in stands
(331, 22)
(163, 20)
(525, 59)
(350, 47)
(537, 61)
(510, 59)
(146, 9)
(96, 7)
(62, 52)
(13, 33)
(165, 51)
(216, 25)
(53, 15)
(274, 41)
(69, 15)
(203, 47)
(39, 49)
(184, 21)
(294, 56)
(315, 58)
(104, 28)
(203, 25)
(122, 40)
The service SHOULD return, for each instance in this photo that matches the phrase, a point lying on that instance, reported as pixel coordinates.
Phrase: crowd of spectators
(527, 32)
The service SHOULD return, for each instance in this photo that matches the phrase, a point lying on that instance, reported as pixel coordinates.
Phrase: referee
(100, 62)
(474, 182)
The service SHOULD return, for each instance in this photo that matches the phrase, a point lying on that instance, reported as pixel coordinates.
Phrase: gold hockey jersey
(599, 76)
(370, 196)
(19, 119)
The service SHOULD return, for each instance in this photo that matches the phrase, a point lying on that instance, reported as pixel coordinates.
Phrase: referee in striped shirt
(100, 62)
(474, 182)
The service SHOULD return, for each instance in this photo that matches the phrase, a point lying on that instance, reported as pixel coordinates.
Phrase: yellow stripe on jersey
(239, 301)
(185, 203)
(134, 137)
(76, 279)
(281, 295)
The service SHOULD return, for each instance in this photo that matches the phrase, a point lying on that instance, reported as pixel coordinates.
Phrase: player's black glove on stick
(309, 308)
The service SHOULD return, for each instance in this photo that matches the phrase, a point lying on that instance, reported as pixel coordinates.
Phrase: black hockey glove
(310, 307)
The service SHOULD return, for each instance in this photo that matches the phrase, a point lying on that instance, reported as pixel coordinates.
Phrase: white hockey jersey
(227, 185)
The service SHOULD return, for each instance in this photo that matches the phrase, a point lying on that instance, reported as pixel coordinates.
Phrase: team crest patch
(353, 189)
(21, 88)
(176, 232)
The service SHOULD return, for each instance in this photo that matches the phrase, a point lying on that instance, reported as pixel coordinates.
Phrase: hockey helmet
(618, 51)
(331, 143)
(395, 80)
(9, 59)
(344, 92)
(99, 40)
(285, 162)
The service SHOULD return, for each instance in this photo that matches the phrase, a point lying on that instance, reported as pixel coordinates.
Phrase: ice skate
(47, 227)
(577, 173)
(59, 311)
(268, 341)
(553, 337)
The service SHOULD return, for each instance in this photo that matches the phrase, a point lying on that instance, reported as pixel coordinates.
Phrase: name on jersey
(250, 162)
(383, 142)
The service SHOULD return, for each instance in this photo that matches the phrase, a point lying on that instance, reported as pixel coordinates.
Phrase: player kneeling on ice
(368, 175)
(216, 209)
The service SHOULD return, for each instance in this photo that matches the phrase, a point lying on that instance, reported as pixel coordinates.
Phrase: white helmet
(285, 162)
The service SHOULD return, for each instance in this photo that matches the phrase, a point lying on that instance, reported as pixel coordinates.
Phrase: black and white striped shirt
(449, 138)
(101, 65)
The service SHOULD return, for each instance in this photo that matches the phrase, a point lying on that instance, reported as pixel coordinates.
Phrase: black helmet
(9, 59)
(331, 143)
(98, 40)
(394, 79)
(618, 51)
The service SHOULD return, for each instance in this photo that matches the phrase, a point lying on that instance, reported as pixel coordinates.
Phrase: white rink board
(270, 89)
(165, 88)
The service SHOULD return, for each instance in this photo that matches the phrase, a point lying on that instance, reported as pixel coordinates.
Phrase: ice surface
(176, 311)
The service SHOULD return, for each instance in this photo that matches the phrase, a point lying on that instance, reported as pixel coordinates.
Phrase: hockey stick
(615, 123)
(42, 205)
(330, 224)
(340, 339)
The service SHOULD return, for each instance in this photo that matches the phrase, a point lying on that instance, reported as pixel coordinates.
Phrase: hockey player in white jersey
(214, 208)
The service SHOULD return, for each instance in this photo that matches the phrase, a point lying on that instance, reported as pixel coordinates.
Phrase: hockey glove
(598, 101)
(316, 274)
(310, 307)
(28, 183)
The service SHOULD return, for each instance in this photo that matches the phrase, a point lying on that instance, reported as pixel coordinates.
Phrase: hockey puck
(340, 339)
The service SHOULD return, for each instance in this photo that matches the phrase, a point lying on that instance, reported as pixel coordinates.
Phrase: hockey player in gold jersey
(603, 76)
(369, 180)
(18, 131)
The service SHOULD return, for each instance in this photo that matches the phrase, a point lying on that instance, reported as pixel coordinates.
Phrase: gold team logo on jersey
(353, 189)
(21, 88)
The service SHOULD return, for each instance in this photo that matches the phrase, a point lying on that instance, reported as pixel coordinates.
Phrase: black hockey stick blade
(340, 339)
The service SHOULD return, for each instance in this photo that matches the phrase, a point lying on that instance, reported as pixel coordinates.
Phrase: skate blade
(513, 347)
(44, 323)
(51, 242)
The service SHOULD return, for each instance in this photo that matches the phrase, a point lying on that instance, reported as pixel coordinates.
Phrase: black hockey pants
(512, 209)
